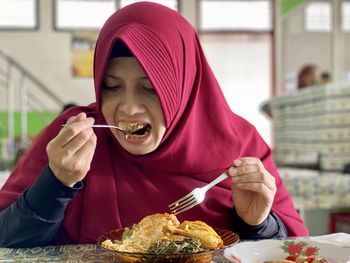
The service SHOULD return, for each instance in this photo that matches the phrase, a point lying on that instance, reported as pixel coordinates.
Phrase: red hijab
(203, 137)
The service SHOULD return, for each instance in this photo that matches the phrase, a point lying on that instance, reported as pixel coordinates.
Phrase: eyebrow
(118, 78)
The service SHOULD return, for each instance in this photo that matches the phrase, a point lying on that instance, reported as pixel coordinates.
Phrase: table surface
(67, 253)
(94, 253)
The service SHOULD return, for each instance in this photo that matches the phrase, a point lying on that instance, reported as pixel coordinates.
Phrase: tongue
(139, 131)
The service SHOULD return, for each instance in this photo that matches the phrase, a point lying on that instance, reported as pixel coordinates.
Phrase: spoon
(104, 126)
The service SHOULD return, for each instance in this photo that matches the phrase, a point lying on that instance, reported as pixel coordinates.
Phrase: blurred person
(78, 182)
(68, 106)
(325, 77)
(309, 75)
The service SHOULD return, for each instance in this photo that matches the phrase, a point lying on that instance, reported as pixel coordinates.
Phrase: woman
(78, 182)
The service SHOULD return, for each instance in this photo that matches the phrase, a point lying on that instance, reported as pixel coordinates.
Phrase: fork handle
(216, 181)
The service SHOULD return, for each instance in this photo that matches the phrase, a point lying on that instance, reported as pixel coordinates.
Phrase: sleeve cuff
(271, 227)
(48, 197)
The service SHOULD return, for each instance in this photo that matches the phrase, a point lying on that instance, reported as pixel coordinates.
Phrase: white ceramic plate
(259, 251)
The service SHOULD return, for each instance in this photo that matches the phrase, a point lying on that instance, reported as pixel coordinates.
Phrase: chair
(339, 222)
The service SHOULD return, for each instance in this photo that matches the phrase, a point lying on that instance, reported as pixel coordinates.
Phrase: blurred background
(283, 65)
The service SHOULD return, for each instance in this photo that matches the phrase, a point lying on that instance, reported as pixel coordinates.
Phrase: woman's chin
(137, 144)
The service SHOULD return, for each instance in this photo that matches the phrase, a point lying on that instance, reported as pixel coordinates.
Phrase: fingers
(78, 141)
(80, 162)
(72, 138)
(76, 127)
(249, 173)
(70, 153)
(86, 152)
(80, 116)
(248, 161)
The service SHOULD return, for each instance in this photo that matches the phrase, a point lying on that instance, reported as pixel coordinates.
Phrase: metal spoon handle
(104, 126)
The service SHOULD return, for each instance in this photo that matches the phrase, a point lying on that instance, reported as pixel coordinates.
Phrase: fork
(195, 197)
(104, 126)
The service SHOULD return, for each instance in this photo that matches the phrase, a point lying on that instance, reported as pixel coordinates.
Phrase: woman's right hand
(70, 152)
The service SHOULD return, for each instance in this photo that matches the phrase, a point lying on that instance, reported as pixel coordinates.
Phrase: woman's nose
(131, 105)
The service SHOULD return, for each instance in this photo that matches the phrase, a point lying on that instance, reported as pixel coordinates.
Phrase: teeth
(129, 135)
(131, 127)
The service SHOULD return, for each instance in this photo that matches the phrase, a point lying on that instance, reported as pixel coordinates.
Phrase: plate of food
(287, 251)
(162, 238)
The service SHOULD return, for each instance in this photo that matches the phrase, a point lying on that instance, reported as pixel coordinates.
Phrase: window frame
(117, 4)
(22, 28)
(220, 31)
(318, 31)
(346, 31)
(72, 29)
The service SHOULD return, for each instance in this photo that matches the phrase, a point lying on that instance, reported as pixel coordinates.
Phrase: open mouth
(135, 129)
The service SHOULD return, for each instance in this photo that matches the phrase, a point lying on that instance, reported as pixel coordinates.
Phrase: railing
(21, 91)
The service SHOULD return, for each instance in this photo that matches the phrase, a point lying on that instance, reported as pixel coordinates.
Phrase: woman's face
(128, 98)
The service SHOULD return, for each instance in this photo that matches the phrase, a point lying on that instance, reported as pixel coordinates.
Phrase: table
(67, 254)
(93, 253)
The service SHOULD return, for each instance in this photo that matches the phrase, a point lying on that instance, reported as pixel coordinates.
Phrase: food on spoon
(136, 128)
(163, 233)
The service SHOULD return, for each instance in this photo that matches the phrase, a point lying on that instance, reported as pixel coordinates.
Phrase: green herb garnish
(187, 245)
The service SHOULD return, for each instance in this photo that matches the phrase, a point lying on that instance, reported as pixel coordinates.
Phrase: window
(346, 16)
(236, 15)
(169, 3)
(82, 14)
(91, 14)
(318, 17)
(18, 14)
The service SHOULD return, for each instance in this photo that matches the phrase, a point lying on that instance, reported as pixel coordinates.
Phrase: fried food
(163, 232)
(198, 229)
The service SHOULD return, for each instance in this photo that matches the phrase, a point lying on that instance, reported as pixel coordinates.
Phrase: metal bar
(24, 110)
(33, 79)
(277, 43)
(10, 113)
(336, 26)
(3, 84)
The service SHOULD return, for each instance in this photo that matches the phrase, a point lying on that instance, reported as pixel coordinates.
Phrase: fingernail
(237, 162)
(82, 114)
(90, 119)
(232, 171)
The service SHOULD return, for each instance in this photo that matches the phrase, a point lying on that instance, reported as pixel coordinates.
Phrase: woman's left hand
(253, 189)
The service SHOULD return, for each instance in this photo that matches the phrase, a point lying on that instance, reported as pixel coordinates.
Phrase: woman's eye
(150, 90)
(111, 88)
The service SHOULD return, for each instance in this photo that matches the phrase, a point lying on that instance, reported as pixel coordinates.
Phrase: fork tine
(179, 208)
(176, 212)
(183, 203)
(176, 203)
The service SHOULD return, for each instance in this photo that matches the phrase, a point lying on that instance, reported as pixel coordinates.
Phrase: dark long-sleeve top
(35, 218)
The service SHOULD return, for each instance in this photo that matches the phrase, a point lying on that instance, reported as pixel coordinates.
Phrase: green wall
(36, 122)
(288, 5)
